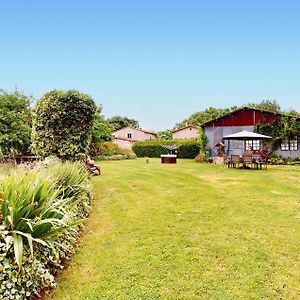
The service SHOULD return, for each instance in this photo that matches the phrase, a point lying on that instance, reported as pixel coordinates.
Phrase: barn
(245, 118)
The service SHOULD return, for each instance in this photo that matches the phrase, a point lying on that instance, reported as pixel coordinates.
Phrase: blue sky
(157, 61)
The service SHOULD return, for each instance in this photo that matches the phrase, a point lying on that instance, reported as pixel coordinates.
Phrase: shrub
(111, 151)
(200, 158)
(62, 124)
(39, 212)
(107, 148)
(188, 148)
(129, 155)
(15, 123)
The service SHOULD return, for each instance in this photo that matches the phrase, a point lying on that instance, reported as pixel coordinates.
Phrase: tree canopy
(206, 115)
(118, 122)
(15, 122)
(62, 124)
(101, 132)
(267, 105)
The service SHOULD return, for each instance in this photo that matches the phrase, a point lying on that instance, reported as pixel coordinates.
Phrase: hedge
(188, 148)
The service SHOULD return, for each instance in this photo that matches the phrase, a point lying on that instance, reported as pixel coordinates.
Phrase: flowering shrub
(39, 216)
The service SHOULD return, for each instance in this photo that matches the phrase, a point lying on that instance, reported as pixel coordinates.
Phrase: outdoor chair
(234, 161)
(263, 161)
(248, 160)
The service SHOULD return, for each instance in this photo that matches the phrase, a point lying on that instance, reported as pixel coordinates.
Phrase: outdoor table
(168, 158)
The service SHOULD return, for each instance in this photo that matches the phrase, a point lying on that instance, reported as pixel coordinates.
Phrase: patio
(251, 158)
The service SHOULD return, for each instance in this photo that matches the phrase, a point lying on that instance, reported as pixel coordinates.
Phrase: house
(126, 136)
(246, 118)
(187, 132)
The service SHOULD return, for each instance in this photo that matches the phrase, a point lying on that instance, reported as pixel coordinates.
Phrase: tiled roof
(188, 126)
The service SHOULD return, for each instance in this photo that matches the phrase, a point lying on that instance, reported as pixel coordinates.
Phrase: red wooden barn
(245, 119)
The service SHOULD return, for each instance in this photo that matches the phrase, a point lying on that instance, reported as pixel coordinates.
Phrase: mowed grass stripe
(188, 231)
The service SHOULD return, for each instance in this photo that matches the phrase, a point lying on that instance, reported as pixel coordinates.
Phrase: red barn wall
(247, 117)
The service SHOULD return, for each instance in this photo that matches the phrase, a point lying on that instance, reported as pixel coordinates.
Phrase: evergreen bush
(188, 148)
(62, 124)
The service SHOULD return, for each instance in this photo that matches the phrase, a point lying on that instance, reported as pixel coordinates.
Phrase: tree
(206, 115)
(118, 122)
(268, 105)
(15, 122)
(62, 124)
(101, 132)
(165, 135)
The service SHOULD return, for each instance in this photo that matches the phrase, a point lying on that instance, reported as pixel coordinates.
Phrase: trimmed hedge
(189, 148)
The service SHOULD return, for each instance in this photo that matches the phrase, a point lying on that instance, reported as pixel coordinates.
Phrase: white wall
(186, 133)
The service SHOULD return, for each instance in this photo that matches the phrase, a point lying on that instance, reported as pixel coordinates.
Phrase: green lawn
(188, 231)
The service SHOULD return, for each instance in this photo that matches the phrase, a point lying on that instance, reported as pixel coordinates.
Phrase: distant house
(126, 136)
(246, 118)
(187, 132)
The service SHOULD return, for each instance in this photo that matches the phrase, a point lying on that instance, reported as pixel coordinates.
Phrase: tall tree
(165, 135)
(101, 132)
(62, 124)
(201, 117)
(268, 105)
(118, 122)
(15, 122)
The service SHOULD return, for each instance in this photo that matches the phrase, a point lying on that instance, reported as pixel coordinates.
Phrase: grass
(188, 231)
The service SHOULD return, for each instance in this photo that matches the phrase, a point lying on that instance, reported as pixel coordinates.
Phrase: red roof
(245, 116)
(125, 139)
(188, 126)
(139, 129)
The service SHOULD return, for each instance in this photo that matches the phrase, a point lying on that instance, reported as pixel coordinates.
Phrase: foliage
(204, 116)
(189, 148)
(284, 128)
(118, 122)
(40, 212)
(117, 156)
(267, 105)
(274, 159)
(111, 151)
(165, 135)
(15, 123)
(203, 140)
(101, 132)
(62, 124)
(107, 148)
(200, 157)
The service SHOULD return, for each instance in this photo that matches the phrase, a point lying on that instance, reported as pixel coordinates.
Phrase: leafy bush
(15, 123)
(101, 132)
(200, 158)
(107, 148)
(111, 151)
(130, 155)
(39, 212)
(188, 148)
(62, 124)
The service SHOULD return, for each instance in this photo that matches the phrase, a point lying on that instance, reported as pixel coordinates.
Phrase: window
(129, 135)
(253, 145)
(291, 145)
(284, 146)
(294, 145)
